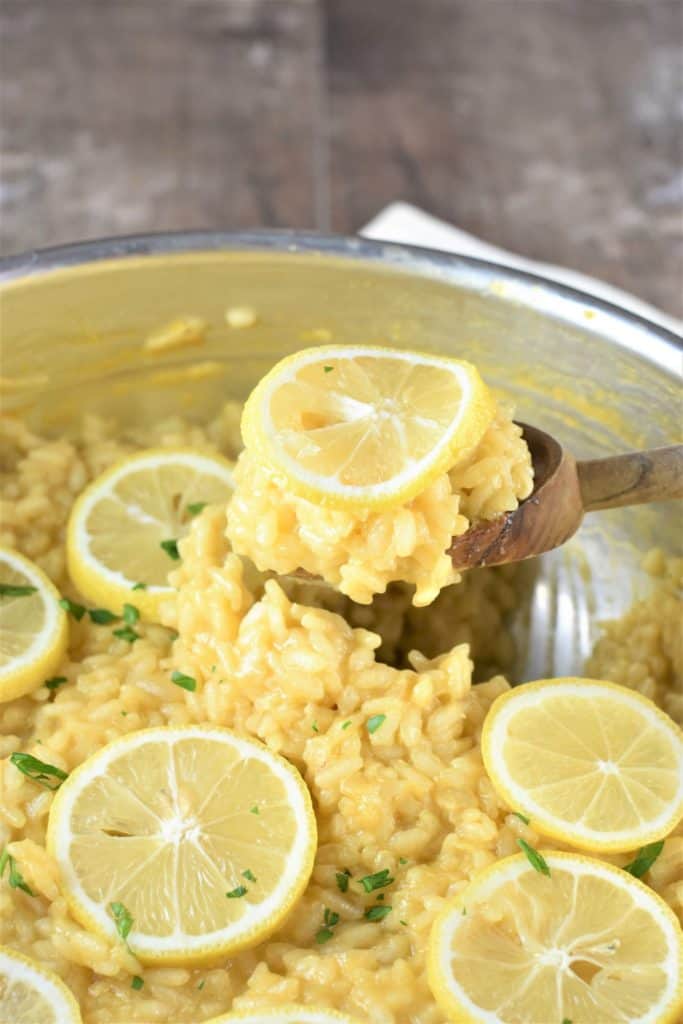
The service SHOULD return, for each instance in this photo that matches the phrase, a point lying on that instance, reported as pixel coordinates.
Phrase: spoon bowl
(564, 490)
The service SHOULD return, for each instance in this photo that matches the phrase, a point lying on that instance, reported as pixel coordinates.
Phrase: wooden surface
(552, 127)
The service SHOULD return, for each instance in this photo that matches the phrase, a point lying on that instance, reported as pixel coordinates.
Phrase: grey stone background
(552, 127)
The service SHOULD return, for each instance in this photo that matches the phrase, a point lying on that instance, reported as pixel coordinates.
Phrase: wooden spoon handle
(632, 479)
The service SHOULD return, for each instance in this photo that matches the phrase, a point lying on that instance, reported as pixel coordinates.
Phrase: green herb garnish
(38, 771)
(171, 549)
(644, 859)
(15, 878)
(187, 682)
(137, 982)
(346, 724)
(522, 817)
(323, 935)
(375, 722)
(537, 862)
(328, 369)
(130, 614)
(377, 913)
(403, 860)
(376, 881)
(249, 875)
(139, 586)
(201, 984)
(401, 921)
(314, 727)
(330, 917)
(254, 810)
(126, 633)
(11, 590)
(123, 919)
(101, 616)
(195, 507)
(56, 681)
(237, 892)
(343, 880)
(74, 609)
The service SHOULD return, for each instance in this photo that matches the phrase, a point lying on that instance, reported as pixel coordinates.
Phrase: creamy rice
(412, 797)
(361, 551)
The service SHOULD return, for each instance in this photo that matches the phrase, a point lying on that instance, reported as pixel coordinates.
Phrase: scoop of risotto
(361, 551)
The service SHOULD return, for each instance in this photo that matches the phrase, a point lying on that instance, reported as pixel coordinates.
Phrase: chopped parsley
(644, 859)
(376, 881)
(249, 875)
(314, 727)
(72, 607)
(171, 548)
(140, 586)
(237, 892)
(12, 590)
(195, 507)
(38, 771)
(536, 860)
(328, 369)
(126, 633)
(346, 724)
(375, 722)
(566, 1020)
(137, 982)
(15, 878)
(377, 913)
(123, 919)
(56, 681)
(522, 817)
(330, 919)
(401, 921)
(343, 880)
(130, 614)
(101, 617)
(254, 810)
(403, 860)
(187, 682)
(201, 984)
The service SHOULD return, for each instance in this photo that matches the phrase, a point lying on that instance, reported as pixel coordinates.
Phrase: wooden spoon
(564, 490)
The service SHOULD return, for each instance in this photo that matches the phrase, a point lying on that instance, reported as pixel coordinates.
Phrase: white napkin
(404, 223)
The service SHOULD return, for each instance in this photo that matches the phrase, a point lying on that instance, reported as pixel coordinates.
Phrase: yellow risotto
(297, 666)
(361, 551)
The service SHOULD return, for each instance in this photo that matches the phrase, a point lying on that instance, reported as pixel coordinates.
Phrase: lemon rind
(28, 970)
(182, 949)
(451, 918)
(518, 798)
(99, 583)
(257, 430)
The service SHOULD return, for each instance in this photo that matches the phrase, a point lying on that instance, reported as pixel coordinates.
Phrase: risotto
(304, 670)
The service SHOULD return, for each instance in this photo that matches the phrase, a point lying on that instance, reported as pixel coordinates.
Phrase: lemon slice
(591, 763)
(121, 520)
(285, 1015)
(31, 995)
(33, 628)
(362, 426)
(588, 943)
(190, 842)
